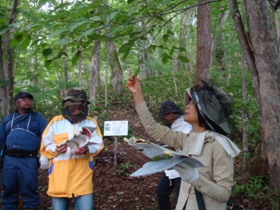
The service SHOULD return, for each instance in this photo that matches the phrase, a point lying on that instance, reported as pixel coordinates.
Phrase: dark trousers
(164, 189)
(20, 177)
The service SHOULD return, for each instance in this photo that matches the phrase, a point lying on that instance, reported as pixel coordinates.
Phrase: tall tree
(95, 69)
(203, 57)
(117, 72)
(7, 68)
(260, 49)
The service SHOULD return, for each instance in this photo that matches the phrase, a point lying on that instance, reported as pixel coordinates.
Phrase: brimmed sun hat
(213, 104)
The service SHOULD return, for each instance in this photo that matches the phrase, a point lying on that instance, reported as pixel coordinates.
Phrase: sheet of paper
(116, 128)
(161, 165)
(162, 157)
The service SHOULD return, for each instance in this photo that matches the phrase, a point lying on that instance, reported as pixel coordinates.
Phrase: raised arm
(134, 87)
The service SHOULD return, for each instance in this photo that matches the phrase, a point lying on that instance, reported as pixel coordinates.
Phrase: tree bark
(7, 89)
(267, 60)
(264, 64)
(117, 72)
(218, 52)
(95, 68)
(203, 58)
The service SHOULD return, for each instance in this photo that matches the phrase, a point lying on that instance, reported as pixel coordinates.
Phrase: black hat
(213, 104)
(76, 94)
(23, 95)
(168, 107)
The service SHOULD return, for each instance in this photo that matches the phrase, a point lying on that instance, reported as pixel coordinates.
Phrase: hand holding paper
(78, 143)
(80, 151)
(187, 173)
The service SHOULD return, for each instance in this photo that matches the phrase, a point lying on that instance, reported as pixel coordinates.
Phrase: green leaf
(19, 37)
(125, 48)
(41, 3)
(86, 33)
(183, 59)
(76, 58)
(56, 33)
(3, 29)
(165, 58)
(165, 37)
(170, 32)
(125, 55)
(95, 18)
(48, 63)
(152, 48)
(26, 41)
(75, 25)
(46, 52)
(112, 16)
(14, 42)
(63, 41)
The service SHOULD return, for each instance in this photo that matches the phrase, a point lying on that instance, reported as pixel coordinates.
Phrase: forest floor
(113, 188)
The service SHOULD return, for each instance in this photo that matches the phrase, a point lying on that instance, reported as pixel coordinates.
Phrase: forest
(47, 46)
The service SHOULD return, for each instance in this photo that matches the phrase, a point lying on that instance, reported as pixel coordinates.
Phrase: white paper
(116, 128)
(155, 152)
(79, 140)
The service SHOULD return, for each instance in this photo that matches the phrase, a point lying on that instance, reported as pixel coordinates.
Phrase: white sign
(116, 128)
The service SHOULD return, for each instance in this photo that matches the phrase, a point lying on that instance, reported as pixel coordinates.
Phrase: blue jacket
(22, 131)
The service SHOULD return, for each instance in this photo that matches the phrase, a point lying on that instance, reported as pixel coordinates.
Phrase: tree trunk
(267, 61)
(264, 64)
(217, 51)
(244, 115)
(144, 56)
(3, 86)
(95, 67)
(117, 72)
(9, 59)
(203, 58)
(276, 28)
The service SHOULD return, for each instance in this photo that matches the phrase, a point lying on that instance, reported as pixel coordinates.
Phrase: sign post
(116, 128)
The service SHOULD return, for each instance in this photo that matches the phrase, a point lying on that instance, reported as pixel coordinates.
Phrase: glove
(187, 173)
(44, 162)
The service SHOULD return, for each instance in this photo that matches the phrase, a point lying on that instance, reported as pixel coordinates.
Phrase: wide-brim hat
(213, 104)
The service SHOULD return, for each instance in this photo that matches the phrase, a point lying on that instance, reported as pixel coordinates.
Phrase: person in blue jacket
(21, 132)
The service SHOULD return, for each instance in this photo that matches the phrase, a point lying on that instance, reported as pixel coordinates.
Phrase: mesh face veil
(213, 104)
(75, 105)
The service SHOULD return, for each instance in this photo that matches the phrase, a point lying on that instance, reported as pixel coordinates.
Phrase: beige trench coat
(216, 177)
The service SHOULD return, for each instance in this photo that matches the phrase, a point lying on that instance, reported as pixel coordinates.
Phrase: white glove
(44, 162)
(187, 173)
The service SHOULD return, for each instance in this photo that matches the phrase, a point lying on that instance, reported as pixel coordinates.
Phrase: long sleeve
(157, 131)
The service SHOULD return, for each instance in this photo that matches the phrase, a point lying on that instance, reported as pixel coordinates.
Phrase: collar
(225, 142)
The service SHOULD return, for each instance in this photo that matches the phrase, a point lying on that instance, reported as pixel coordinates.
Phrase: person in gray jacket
(207, 110)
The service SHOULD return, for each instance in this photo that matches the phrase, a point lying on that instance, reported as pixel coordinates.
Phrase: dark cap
(76, 94)
(23, 95)
(168, 107)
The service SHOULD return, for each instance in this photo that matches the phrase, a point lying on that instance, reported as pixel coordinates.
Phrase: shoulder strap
(199, 199)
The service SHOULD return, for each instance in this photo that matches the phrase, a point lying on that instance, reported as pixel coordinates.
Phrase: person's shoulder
(8, 117)
(37, 114)
(58, 118)
(90, 119)
(223, 143)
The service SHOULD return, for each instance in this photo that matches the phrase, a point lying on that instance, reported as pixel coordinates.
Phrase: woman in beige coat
(207, 111)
